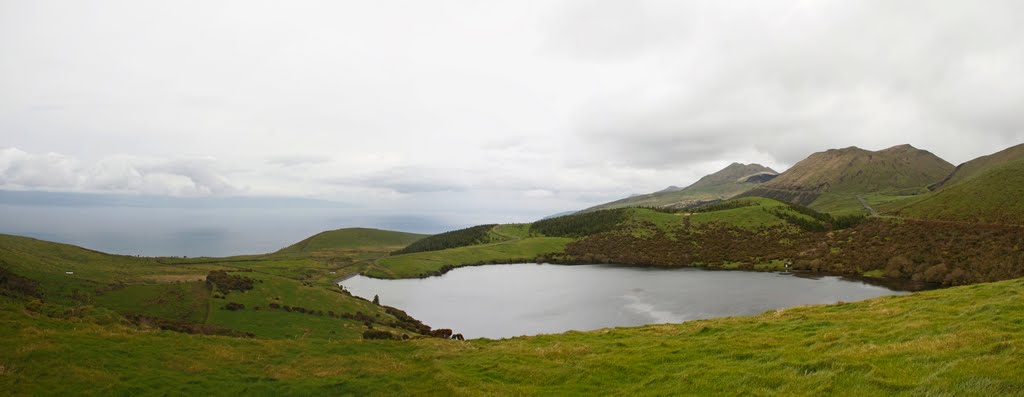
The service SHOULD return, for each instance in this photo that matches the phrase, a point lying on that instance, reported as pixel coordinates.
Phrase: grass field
(188, 301)
(994, 196)
(426, 263)
(744, 217)
(174, 288)
(958, 341)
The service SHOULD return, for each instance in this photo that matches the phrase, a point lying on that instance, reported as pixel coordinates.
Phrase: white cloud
(510, 107)
(52, 171)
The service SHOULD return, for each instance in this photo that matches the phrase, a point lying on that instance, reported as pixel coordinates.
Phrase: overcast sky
(513, 108)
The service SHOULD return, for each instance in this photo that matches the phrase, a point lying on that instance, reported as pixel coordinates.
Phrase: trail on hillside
(866, 206)
(497, 230)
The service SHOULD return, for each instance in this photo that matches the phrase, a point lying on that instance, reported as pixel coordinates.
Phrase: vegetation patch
(432, 263)
(582, 224)
(457, 238)
(227, 282)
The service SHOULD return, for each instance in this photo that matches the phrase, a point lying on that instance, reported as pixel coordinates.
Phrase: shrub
(378, 334)
(226, 282)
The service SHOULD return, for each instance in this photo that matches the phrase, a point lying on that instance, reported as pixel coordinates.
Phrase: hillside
(730, 181)
(957, 341)
(260, 296)
(980, 165)
(900, 169)
(993, 196)
(354, 238)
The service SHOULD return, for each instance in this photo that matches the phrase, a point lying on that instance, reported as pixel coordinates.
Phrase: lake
(499, 301)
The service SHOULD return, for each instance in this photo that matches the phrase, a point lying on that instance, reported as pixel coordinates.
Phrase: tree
(376, 300)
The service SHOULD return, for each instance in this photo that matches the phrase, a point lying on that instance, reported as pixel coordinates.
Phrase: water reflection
(509, 300)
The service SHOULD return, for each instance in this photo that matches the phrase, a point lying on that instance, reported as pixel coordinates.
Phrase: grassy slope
(354, 238)
(957, 341)
(840, 204)
(994, 196)
(155, 287)
(659, 199)
(720, 185)
(981, 165)
(899, 170)
(279, 324)
(745, 217)
(425, 263)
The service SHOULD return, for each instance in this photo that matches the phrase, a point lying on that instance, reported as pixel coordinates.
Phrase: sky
(509, 110)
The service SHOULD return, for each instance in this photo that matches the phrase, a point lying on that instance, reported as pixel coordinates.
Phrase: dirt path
(866, 206)
(510, 237)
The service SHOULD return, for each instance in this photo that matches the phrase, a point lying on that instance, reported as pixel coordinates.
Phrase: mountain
(901, 169)
(728, 182)
(980, 165)
(994, 196)
(354, 238)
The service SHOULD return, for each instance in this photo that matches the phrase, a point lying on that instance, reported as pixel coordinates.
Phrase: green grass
(511, 231)
(749, 217)
(49, 263)
(425, 263)
(354, 238)
(163, 288)
(959, 341)
(267, 323)
(178, 301)
(664, 221)
(994, 196)
(838, 204)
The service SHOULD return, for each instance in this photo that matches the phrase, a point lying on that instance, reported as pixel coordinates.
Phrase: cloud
(298, 160)
(531, 107)
(52, 171)
(788, 78)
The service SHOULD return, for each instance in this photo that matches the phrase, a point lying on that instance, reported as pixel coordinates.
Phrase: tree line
(456, 238)
(579, 225)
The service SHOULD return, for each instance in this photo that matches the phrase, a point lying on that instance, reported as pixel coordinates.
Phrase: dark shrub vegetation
(940, 252)
(579, 225)
(379, 334)
(14, 285)
(226, 282)
(456, 238)
(187, 327)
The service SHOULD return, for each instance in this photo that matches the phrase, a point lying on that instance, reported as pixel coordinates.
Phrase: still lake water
(499, 301)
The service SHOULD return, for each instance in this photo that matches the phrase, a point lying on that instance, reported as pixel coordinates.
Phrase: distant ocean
(158, 226)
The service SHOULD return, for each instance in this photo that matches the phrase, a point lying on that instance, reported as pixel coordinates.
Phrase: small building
(69, 273)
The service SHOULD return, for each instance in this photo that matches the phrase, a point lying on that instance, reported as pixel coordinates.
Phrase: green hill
(900, 169)
(993, 196)
(281, 296)
(354, 238)
(728, 182)
(980, 165)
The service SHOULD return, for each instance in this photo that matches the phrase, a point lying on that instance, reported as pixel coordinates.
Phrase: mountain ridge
(900, 169)
(724, 183)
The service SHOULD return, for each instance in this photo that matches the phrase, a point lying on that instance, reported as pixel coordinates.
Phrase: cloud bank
(516, 109)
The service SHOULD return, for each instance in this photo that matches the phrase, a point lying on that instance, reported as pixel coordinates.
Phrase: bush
(226, 282)
(378, 334)
(13, 285)
(232, 306)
